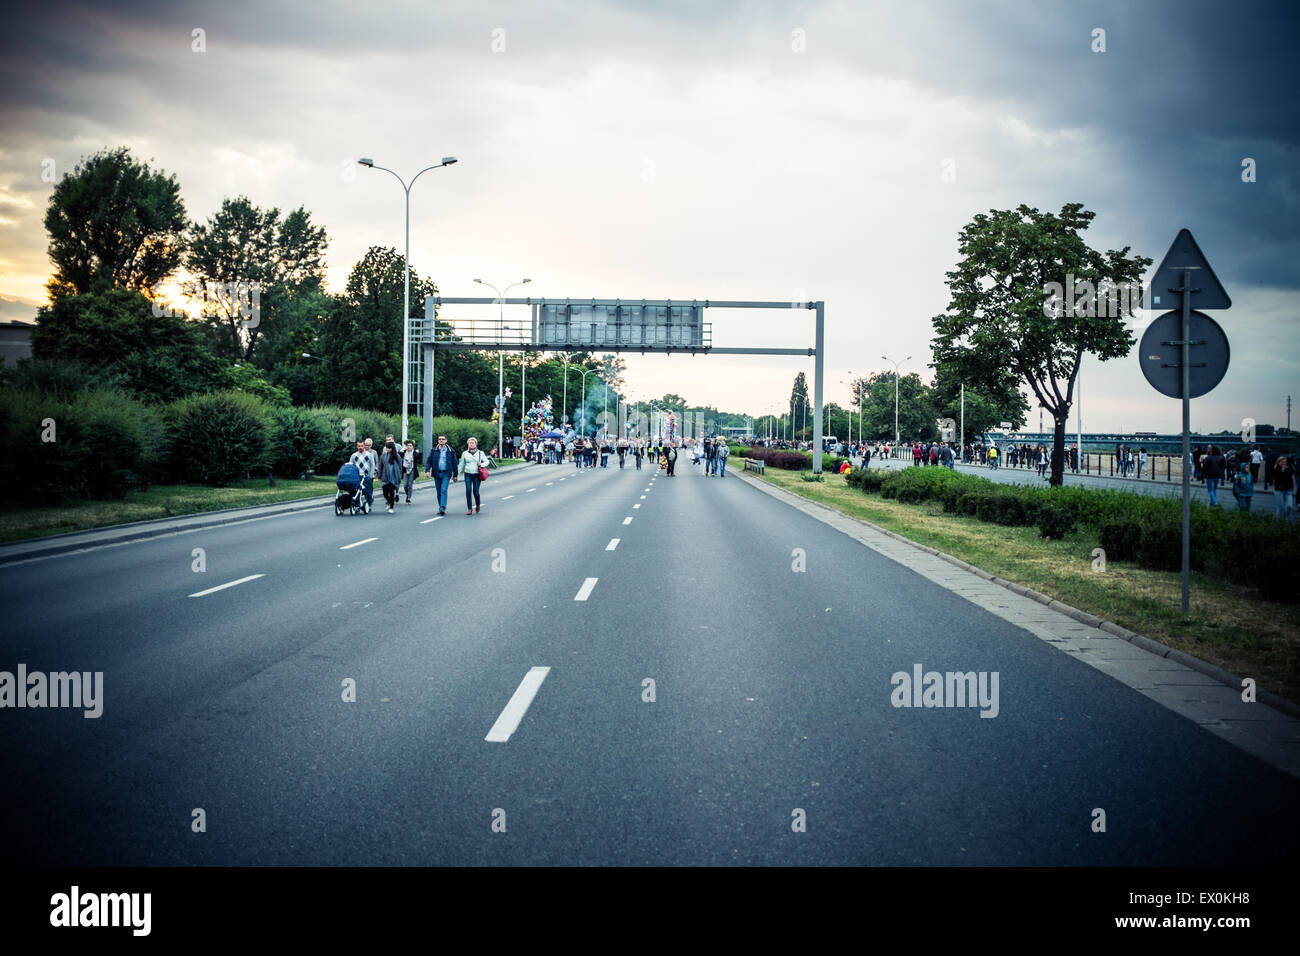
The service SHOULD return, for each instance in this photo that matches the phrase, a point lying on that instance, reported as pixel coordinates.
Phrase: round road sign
(1161, 358)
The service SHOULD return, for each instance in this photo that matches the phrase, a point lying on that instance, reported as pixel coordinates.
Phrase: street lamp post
(501, 369)
(328, 365)
(406, 293)
(896, 365)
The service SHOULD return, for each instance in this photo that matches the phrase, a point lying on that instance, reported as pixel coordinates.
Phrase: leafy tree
(983, 411)
(916, 413)
(158, 357)
(998, 330)
(361, 337)
(113, 222)
(242, 247)
(800, 409)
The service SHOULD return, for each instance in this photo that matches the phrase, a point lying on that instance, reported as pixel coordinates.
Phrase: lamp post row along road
(406, 293)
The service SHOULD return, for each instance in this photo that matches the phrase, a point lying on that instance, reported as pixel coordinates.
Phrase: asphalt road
(772, 694)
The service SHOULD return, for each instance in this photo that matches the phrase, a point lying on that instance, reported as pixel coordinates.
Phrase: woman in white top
(471, 460)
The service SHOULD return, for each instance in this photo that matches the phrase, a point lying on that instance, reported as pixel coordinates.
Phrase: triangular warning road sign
(1185, 254)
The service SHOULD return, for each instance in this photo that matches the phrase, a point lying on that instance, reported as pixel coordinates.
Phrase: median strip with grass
(1229, 625)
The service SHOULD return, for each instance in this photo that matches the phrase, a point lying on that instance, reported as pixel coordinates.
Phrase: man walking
(365, 463)
(443, 470)
(409, 468)
(720, 453)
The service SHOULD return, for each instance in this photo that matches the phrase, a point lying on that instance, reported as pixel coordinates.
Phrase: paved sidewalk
(1186, 685)
(135, 530)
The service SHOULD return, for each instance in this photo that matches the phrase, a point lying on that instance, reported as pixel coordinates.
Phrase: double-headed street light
(896, 365)
(501, 369)
(406, 295)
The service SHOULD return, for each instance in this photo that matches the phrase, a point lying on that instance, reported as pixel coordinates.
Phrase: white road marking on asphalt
(637, 505)
(231, 584)
(434, 518)
(627, 520)
(643, 497)
(549, 483)
(530, 489)
(519, 703)
(507, 497)
(584, 592)
(613, 543)
(355, 544)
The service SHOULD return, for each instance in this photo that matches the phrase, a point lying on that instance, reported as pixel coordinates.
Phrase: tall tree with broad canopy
(113, 222)
(242, 245)
(1003, 326)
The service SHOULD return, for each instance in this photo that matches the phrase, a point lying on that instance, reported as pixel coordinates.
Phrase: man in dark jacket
(670, 451)
(443, 469)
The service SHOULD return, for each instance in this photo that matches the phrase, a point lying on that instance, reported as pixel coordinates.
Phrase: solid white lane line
(519, 703)
(584, 592)
(627, 520)
(356, 544)
(613, 543)
(507, 497)
(228, 584)
(434, 518)
(637, 505)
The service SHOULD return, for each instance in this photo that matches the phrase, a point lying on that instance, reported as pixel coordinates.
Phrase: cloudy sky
(742, 150)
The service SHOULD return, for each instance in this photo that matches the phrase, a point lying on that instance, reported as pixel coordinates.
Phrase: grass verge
(1228, 625)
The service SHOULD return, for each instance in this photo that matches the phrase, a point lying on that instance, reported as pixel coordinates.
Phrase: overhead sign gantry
(610, 325)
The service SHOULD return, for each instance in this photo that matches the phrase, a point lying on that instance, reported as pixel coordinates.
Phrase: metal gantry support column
(427, 403)
(818, 366)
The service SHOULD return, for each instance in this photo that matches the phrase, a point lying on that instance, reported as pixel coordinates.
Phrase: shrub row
(1249, 549)
(101, 442)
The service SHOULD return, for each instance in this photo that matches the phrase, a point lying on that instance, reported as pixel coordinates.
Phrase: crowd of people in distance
(1241, 470)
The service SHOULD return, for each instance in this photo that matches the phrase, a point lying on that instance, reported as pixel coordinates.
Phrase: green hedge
(97, 443)
(1249, 549)
(219, 436)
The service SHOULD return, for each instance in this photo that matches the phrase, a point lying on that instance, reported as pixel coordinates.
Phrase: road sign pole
(1187, 428)
(817, 388)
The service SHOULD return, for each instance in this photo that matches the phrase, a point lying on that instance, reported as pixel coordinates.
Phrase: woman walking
(471, 461)
(390, 472)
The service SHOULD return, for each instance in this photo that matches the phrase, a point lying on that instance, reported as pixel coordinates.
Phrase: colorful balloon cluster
(670, 425)
(540, 418)
(496, 407)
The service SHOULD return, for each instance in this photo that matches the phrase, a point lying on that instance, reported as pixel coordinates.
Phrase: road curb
(68, 541)
(1083, 617)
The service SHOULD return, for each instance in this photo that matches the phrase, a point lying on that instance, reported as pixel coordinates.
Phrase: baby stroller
(350, 497)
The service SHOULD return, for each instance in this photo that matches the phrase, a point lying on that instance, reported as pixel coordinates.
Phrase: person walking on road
(638, 452)
(409, 468)
(1284, 487)
(1212, 467)
(365, 464)
(471, 461)
(670, 452)
(720, 453)
(443, 470)
(391, 474)
(1243, 486)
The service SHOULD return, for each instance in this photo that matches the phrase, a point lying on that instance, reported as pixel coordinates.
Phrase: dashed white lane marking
(519, 703)
(613, 543)
(549, 483)
(637, 505)
(357, 544)
(434, 518)
(627, 520)
(584, 592)
(643, 497)
(507, 497)
(530, 489)
(231, 584)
